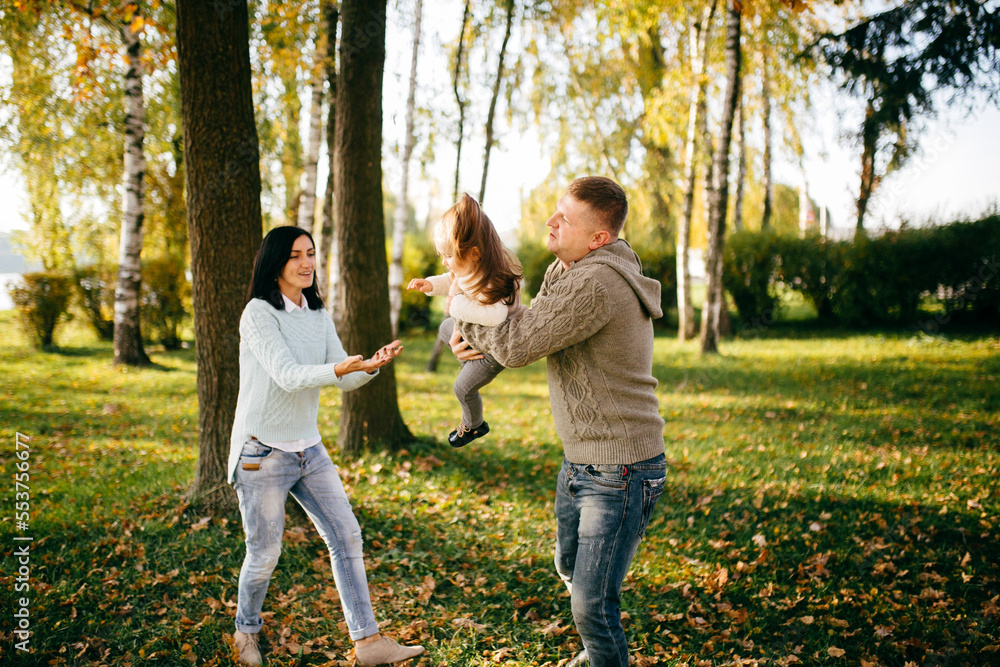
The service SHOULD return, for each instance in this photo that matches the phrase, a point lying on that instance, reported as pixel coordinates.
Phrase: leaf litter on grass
(830, 501)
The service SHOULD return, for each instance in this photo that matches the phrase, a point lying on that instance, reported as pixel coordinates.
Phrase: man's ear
(599, 238)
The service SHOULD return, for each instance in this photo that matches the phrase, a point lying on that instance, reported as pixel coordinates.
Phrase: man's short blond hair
(605, 197)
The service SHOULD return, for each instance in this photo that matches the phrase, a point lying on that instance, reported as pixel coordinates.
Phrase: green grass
(831, 499)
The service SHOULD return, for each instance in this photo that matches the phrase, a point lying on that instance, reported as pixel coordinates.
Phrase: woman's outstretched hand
(378, 360)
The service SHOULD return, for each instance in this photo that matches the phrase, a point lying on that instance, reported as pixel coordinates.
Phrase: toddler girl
(483, 286)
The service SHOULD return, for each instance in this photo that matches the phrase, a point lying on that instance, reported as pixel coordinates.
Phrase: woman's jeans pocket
(253, 454)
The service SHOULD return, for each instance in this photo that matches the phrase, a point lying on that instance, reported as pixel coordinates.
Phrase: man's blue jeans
(264, 478)
(601, 515)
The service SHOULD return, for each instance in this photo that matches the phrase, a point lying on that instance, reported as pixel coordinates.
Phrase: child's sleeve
(469, 310)
(440, 285)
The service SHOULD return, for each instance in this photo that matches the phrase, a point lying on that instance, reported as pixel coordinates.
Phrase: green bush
(968, 274)
(42, 299)
(96, 288)
(419, 261)
(535, 260)
(873, 281)
(749, 274)
(808, 266)
(164, 301)
(660, 264)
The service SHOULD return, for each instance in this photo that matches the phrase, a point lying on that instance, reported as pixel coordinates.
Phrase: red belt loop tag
(624, 470)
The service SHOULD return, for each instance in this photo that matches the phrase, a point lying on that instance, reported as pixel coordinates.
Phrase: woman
(288, 350)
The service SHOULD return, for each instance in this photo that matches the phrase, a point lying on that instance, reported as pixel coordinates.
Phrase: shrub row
(871, 281)
(43, 300)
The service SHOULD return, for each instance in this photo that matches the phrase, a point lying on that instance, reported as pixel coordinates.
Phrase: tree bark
(493, 101)
(307, 202)
(741, 171)
(765, 221)
(221, 155)
(697, 119)
(399, 220)
(326, 256)
(714, 297)
(127, 335)
(869, 139)
(456, 81)
(370, 415)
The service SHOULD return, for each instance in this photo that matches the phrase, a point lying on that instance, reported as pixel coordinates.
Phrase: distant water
(5, 302)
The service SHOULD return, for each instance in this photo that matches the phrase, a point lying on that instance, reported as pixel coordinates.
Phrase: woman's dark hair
(274, 253)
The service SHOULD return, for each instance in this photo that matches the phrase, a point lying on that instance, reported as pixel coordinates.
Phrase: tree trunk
(291, 150)
(370, 415)
(399, 221)
(765, 221)
(326, 255)
(493, 101)
(869, 138)
(697, 118)
(307, 203)
(741, 172)
(127, 336)
(221, 156)
(456, 81)
(714, 301)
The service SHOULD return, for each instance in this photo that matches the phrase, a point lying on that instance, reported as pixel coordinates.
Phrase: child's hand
(420, 284)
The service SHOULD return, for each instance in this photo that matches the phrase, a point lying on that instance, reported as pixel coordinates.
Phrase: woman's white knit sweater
(285, 357)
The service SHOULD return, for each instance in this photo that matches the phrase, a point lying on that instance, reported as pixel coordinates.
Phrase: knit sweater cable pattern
(593, 324)
(285, 357)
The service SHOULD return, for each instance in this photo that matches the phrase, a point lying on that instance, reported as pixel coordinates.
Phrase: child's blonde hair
(466, 233)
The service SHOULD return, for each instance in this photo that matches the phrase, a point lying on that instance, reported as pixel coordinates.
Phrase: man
(592, 321)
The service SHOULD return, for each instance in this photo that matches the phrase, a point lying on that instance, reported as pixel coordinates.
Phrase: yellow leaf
(836, 652)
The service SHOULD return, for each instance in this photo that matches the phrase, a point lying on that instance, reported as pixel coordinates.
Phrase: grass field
(831, 499)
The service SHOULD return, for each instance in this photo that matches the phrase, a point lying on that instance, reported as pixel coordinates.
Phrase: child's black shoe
(463, 435)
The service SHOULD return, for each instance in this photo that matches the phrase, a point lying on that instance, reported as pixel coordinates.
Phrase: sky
(953, 175)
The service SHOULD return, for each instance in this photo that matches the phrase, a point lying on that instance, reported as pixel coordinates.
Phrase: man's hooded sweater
(593, 322)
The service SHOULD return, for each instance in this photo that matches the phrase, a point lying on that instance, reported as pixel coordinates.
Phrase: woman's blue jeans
(601, 515)
(264, 478)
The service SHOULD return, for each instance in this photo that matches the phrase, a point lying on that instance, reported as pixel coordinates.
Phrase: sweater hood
(620, 257)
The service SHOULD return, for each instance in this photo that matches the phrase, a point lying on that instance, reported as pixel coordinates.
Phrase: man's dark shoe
(463, 435)
(580, 660)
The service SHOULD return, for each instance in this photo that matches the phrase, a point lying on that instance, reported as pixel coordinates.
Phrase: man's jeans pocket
(652, 489)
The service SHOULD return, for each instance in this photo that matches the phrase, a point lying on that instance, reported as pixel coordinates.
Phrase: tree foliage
(903, 62)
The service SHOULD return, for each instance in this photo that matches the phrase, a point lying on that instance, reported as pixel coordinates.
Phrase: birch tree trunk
(493, 101)
(765, 221)
(741, 171)
(399, 220)
(127, 336)
(307, 202)
(456, 81)
(697, 120)
(714, 302)
(221, 162)
(370, 415)
(326, 268)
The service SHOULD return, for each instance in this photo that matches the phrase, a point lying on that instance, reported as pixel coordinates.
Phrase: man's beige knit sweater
(593, 324)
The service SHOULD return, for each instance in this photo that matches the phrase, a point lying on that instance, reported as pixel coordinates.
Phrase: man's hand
(421, 284)
(460, 347)
(378, 360)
